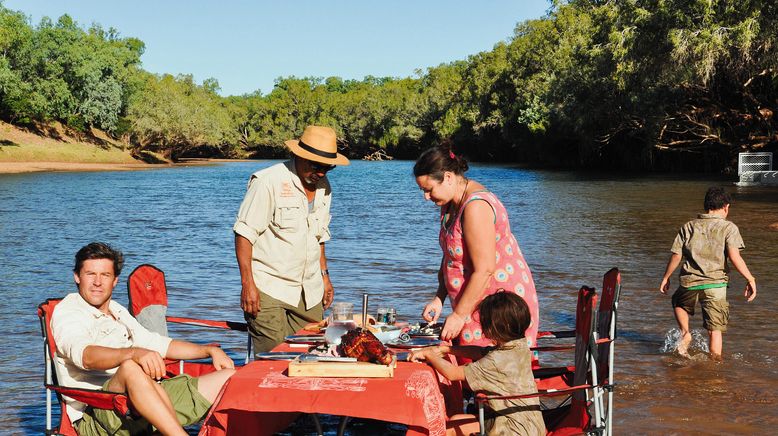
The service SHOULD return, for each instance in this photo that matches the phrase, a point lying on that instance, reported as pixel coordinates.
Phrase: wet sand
(31, 167)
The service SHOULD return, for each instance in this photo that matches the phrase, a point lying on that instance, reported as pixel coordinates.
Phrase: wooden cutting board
(341, 369)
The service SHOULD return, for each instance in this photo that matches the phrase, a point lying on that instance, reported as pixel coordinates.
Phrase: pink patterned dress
(511, 270)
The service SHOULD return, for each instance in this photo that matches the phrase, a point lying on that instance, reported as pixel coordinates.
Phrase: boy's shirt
(703, 243)
(508, 371)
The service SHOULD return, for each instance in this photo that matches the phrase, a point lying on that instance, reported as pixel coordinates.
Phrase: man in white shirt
(101, 346)
(280, 231)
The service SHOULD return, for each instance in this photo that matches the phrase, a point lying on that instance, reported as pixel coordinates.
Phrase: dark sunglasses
(320, 167)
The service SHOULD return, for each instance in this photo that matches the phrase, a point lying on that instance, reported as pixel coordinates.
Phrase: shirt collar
(709, 216)
(113, 307)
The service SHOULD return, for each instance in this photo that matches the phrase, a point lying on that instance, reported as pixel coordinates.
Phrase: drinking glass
(342, 312)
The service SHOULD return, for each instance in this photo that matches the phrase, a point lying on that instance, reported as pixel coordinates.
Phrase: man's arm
(249, 293)
(672, 264)
(329, 290)
(183, 350)
(740, 266)
(96, 357)
(254, 217)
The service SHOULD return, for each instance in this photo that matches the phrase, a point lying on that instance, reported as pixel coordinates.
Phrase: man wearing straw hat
(280, 232)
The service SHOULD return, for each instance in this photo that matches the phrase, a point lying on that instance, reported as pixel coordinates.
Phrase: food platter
(417, 342)
(426, 330)
(278, 355)
(305, 339)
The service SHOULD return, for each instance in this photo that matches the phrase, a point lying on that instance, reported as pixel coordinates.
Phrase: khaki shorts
(190, 406)
(277, 320)
(715, 308)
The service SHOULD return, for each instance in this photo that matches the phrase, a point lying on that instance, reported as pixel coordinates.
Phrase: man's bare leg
(682, 317)
(716, 341)
(210, 384)
(145, 396)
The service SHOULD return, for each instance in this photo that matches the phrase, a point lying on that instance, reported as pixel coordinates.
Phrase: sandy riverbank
(31, 167)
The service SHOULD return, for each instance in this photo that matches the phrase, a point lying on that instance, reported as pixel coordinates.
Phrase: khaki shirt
(508, 371)
(76, 325)
(703, 243)
(285, 237)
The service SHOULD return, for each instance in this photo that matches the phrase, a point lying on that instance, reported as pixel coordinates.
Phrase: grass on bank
(57, 143)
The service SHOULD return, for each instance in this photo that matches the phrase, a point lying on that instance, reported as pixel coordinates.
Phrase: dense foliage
(641, 84)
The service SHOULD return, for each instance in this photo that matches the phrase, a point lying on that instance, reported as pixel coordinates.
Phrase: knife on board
(308, 357)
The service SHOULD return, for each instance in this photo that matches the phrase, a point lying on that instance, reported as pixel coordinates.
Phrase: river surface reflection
(571, 227)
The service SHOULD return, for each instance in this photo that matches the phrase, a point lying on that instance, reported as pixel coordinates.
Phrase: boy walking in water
(705, 244)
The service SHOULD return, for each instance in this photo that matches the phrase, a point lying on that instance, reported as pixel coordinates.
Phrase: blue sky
(247, 44)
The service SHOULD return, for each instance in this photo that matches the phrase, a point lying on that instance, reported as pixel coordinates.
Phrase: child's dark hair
(504, 317)
(437, 160)
(99, 250)
(716, 198)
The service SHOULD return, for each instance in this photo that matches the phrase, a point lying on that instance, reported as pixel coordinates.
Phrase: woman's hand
(452, 327)
(432, 310)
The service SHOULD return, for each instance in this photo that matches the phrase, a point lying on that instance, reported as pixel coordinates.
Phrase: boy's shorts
(189, 404)
(715, 308)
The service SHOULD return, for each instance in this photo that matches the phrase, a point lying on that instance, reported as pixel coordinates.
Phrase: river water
(572, 227)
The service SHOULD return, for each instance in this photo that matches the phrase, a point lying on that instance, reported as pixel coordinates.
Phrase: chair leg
(48, 410)
(481, 422)
(343, 423)
(317, 424)
(248, 349)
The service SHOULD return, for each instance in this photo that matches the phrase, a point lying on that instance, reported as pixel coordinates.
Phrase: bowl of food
(386, 332)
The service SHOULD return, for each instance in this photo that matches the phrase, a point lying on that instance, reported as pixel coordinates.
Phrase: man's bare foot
(716, 357)
(683, 344)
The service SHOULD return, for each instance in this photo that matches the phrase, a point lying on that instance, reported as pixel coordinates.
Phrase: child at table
(504, 369)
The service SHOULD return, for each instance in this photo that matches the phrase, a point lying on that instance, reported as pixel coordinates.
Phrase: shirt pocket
(288, 215)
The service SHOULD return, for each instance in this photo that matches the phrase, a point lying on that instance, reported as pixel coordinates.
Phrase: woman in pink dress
(480, 254)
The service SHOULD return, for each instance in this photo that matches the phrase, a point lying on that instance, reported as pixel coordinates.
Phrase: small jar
(381, 315)
(391, 315)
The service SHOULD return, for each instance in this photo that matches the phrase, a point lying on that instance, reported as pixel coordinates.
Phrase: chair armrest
(556, 334)
(543, 373)
(482, 398)
(554, 348)
(96, 398)
(227, 325)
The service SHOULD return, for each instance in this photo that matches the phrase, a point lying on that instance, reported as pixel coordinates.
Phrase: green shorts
(715, 308)
(189, 404)
(277, 320)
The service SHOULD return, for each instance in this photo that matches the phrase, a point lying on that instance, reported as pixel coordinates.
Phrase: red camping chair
(147, 292)
(573, 417)
(98, 399)
(604, 337)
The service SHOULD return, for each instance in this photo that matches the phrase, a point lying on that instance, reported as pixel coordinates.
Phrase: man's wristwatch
(325, 272)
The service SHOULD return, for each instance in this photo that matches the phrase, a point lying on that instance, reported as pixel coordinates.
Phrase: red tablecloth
(261, 399)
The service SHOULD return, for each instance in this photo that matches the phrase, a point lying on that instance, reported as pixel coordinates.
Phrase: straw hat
(318, 144)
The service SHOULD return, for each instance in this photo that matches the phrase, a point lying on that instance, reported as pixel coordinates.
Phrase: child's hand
(426, 353)
(664, 286)
(750, 291)
(417, 355)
